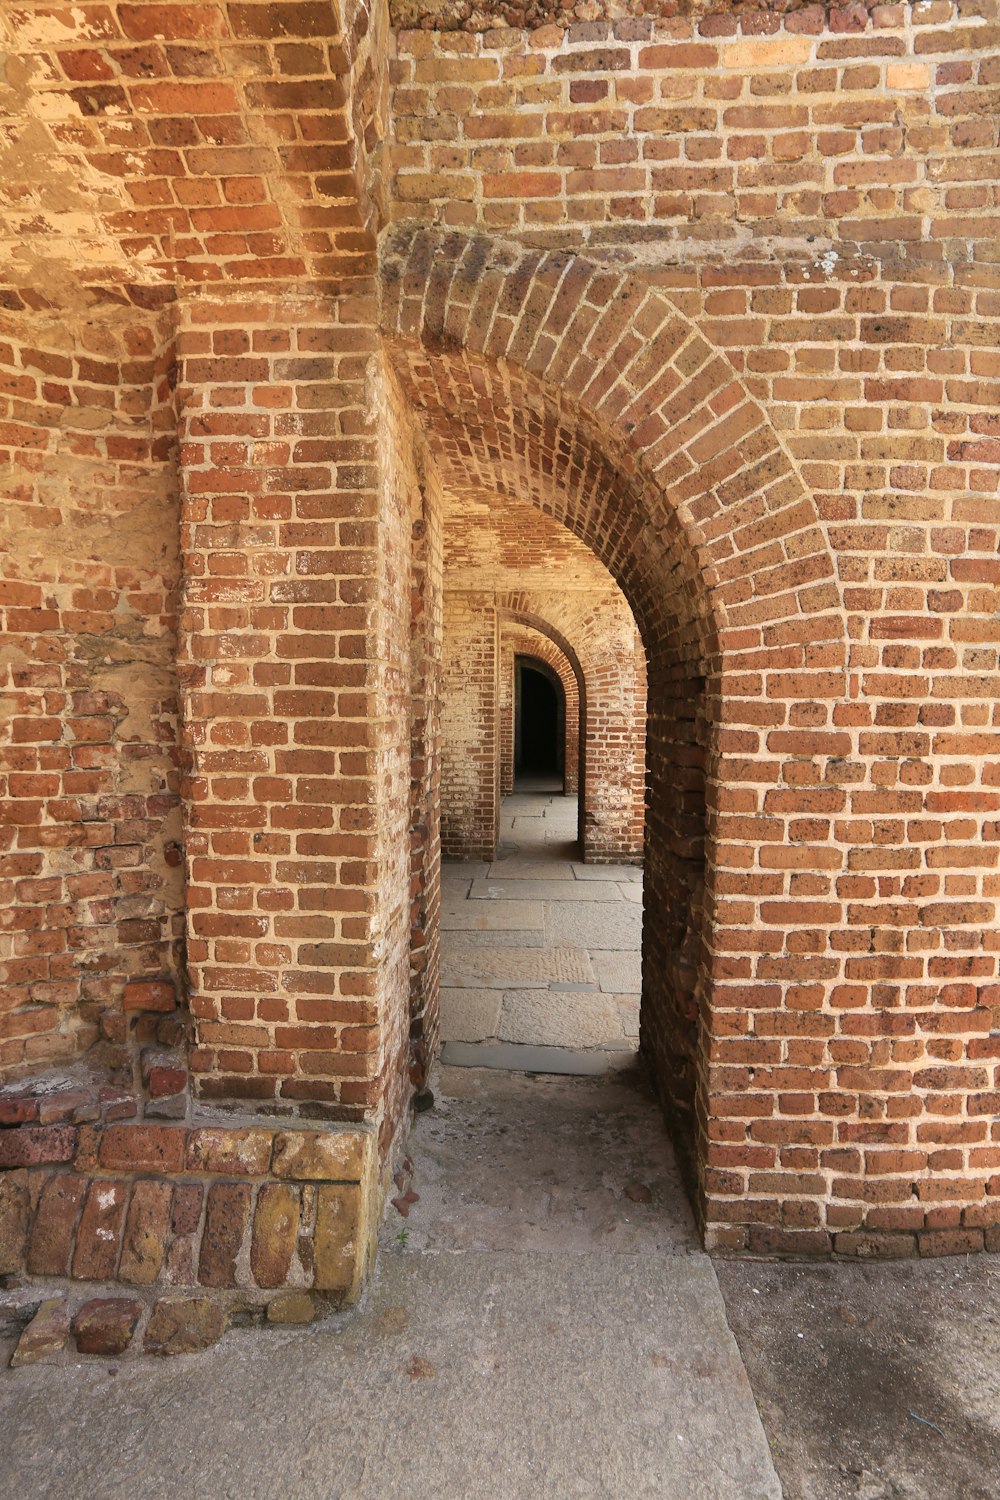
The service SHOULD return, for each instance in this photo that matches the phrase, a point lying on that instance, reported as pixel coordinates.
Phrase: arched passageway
(539, 724)
(539, 377)
(523, 640)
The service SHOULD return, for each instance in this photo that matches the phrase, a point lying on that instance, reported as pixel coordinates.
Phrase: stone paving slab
(550, 1019)
(632, 873)
(632, 893)
(599, 924)
(628, 1011)
(496, 937)
(531, 1058)
(469, 1015)
(544, 890)
(535, 868)
(507, 968)
(618, 973)
(483, 916)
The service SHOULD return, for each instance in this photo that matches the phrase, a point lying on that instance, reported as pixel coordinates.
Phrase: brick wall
(795, 987)
(90, 829)
(470, 762)
(707, 132)
(426, 626)
(216, 1208)
(293, 674)
(189, 144)
(718, 294)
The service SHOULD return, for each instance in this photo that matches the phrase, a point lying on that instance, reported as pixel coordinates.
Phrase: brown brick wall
(718, 294)
(708, 133)
(286, 545)
(774, 970)
(90, 823)
(210, 143)
(222, 1208)
(470, 766)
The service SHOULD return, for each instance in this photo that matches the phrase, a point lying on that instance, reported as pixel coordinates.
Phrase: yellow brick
(766, 52)
(907, 75)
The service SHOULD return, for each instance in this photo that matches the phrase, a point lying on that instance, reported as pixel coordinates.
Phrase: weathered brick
(226, 1213)
(98, 1237)
(274, 1236)
(145, 1235)
(187, 1205)
(339, 1238)
(143, 1148)
(46, 1334)
(15, 1211)
(36, 1145)
(105, 1325)
(331, 1156)
(149, 994)
(183, 1325)
(55, 1220)
(243, 1152)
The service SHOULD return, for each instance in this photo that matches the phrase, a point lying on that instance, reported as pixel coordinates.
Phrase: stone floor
(540, 953)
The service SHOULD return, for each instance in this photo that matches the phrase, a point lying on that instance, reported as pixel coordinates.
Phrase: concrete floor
(540, 953)
(875, 1382)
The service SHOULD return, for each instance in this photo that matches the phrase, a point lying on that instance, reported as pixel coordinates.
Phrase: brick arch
(525, 640)
(581, 388)
(628, 391)
(612, 731)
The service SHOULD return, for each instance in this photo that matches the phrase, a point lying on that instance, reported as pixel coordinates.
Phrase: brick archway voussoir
(671, 406)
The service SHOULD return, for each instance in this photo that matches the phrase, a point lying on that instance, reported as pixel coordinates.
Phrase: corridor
(540, 953)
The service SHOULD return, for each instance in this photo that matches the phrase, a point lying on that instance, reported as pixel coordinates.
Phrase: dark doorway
(539, 720)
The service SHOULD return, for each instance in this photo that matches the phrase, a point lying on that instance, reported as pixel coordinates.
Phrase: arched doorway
(537, 376)
(539, 726)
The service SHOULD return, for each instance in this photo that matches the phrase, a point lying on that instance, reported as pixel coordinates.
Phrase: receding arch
(539, 718)
(541, 376)
(516, 638)
(612, 703)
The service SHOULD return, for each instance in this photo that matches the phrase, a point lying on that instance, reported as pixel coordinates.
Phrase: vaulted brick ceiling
(158, 143)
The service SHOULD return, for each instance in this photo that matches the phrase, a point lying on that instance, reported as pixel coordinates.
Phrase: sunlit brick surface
(718, 294)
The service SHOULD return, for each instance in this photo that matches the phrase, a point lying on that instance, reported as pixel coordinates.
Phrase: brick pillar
(295, 702)
(505, 712)
(470, 780)
(425, 768)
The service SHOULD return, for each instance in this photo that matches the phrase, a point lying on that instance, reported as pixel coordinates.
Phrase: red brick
(52, 1233)
(226, 1215)
(143, 1148)
(98, 1236)
(33, 1146)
